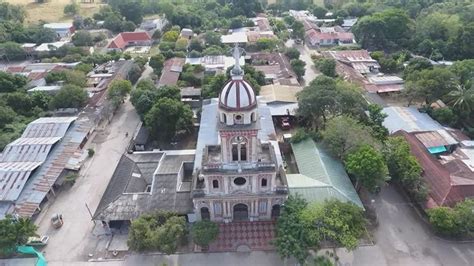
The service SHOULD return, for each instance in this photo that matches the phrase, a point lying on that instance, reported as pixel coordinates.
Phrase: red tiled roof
(15, 69)
(37, 75)
(124, 38)
(171, 71)
(442, 189)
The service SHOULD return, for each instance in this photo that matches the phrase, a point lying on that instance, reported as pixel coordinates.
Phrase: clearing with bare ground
(52, 10)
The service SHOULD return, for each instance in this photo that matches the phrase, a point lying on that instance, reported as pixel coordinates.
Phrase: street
(402, 238)
(74, 240)
(305, 55)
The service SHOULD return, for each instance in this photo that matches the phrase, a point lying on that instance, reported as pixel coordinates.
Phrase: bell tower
(238, 127)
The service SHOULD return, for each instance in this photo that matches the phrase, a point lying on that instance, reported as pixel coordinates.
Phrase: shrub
(90, 152)
(204, 232)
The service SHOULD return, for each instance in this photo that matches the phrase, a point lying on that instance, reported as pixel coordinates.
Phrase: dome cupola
(237, 94)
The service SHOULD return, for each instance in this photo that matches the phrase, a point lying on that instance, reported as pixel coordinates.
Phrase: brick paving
(254, 235)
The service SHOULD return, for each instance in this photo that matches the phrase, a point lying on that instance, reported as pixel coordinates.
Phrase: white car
(37, 241)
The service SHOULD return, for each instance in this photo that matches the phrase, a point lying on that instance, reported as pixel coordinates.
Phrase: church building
(238, 173)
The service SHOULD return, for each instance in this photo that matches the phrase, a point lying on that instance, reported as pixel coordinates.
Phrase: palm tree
(462, 98)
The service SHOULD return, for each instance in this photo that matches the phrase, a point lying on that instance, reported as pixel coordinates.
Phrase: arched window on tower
(264, 182)
(235, 152)
(252, 117)
(243, 151)
(215, 184)
(224, 118)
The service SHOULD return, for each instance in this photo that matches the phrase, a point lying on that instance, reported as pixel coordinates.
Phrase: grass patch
(52, 11)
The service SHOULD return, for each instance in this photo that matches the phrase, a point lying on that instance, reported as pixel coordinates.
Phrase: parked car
(37, 241)
(285, 123)
(57, 220)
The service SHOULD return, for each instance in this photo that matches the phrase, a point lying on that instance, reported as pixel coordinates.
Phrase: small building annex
(320, 177)
(127, 39)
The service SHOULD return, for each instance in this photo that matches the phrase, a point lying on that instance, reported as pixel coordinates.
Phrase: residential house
(214, 64)
(62, 29)
(171, 71)
(186, 33)
(447, 171)
(127, 39)
(275, 66)
(281, 99)
(152, 25)
(328, 36)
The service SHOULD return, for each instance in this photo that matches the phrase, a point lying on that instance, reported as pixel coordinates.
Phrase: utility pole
(90, 213)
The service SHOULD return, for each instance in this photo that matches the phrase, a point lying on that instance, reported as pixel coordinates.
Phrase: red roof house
(448, 183)
(125, 39)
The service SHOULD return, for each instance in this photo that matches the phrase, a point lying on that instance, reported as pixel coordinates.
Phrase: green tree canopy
(10, 82)
(82, 38)
(327, 66)
(14, 232)
(162, 231)
(167, 117)
(340, 222)
(157, 62)
(368, 166)
(204, 232)
(69, 96)
(298, 67)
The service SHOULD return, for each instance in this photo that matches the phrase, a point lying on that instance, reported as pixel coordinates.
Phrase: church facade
(239, 176)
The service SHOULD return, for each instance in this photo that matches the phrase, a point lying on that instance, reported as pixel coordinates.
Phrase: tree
(119, 89)
(44, 35)
(462, 98)
(325, 98)
(340, 222)
(389, 29)
(10, 82)
(404, 168)
(327, 66)
(20, 102)
(75, 77)
(181, 44)
(84, 68)
(212, 38)
(69, 96)
(195, 45)
(266, 43)
(368, 166)
(292, 236)
(319, 12)
(9, 12)
(444, 220)
(376, 118)
(132, 11)
(14, 232)
(157, 62)
(445, 116)
(292, 53)
(236, 23)
(71, 9)
(430, 85)
(82, 38)
(163, 231)
(7, 115)
(298, 67)
(113, 22)
(170, 36)
(417, 64)
(213, 86)
(167, 117)
(298, 31)
(12, 51)
(204, 232)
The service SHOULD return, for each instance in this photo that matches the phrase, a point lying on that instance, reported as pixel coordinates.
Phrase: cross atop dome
(236, 53)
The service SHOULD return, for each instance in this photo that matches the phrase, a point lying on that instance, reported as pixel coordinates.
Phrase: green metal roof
(320, 176)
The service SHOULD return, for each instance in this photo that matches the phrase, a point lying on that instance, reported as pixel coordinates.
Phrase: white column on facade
(273, 182)
(269, 208)
(254, 155)
(225, 180)
(206, 184)
(211, 210)
(254, 180)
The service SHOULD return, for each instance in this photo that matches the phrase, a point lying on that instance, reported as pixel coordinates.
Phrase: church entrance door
(241, 212)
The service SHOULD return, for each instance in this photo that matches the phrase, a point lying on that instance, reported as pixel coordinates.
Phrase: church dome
(237, 94)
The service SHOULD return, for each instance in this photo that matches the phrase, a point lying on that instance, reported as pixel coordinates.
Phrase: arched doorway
(241, 212)
(275, 211)
(205, 215)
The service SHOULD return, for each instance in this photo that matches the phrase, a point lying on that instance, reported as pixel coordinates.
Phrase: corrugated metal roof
(408, 119)
(329, 179)
(13, 177)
